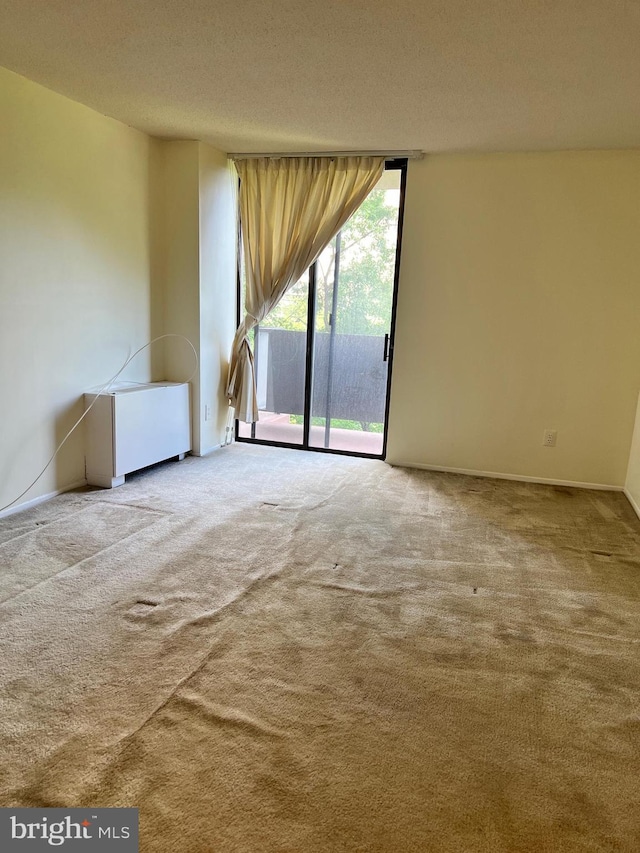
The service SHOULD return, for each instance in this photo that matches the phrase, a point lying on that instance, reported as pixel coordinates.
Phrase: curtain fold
(290, 209)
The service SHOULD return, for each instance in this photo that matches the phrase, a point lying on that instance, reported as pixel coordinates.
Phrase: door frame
(399, 164)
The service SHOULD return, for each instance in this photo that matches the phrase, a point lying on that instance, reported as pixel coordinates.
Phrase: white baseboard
(41, 499)
(518, 477)
(632, 501)
(207, 450)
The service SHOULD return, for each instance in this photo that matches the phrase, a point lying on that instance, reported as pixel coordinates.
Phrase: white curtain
(290, 209)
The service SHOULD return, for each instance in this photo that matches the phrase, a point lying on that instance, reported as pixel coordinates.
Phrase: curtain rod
(390, 155)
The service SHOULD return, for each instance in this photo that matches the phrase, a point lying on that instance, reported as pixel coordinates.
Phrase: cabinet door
(150, 425)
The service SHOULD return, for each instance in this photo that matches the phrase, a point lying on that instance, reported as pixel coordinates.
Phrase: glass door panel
(353, 307)
(279, 348)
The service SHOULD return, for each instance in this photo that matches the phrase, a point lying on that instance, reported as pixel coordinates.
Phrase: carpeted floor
(274, 651)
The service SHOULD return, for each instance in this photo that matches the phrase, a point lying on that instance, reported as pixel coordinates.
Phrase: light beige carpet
(270, 650)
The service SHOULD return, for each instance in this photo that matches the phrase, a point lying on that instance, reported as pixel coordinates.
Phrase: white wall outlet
(550, 436)
(207, 412)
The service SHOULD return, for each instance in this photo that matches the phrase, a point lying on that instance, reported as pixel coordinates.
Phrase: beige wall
(180, 267)
(218, 240)
(632, 485)
(519, 305)
(76, 278)
(198, 262)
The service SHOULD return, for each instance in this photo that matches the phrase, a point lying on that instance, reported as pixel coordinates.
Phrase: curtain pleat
(290, 209)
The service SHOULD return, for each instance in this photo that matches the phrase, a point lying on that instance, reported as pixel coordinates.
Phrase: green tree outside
(365, 283)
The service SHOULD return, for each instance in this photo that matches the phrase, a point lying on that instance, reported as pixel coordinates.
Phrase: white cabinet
(134, 426)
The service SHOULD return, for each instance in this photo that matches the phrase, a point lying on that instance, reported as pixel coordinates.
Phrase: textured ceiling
(294, 75)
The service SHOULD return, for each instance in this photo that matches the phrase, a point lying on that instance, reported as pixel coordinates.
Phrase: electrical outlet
(550, 436)
(207, 412)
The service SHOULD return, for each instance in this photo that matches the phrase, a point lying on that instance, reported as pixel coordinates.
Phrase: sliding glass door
(323, 356)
